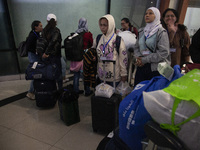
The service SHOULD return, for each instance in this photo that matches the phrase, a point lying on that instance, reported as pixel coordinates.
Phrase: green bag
(185, 88)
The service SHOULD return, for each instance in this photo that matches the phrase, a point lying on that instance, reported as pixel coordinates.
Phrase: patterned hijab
(82, 26)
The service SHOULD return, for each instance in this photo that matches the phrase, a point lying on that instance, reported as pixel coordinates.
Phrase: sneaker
(66, 80)
(30, 96)
(88, 94)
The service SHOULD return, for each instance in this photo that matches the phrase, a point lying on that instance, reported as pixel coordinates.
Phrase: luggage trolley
(161, 139)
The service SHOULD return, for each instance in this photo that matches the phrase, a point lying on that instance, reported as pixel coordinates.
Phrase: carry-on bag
(105, 110)
(42, 71)
(45, 93)
(68, 106)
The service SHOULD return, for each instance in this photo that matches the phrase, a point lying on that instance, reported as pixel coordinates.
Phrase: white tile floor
(24, 126)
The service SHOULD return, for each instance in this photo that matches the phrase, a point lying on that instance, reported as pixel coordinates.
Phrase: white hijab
(151, 28)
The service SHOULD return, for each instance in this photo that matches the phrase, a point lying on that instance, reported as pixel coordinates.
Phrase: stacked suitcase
(105, 110)
(45, 93)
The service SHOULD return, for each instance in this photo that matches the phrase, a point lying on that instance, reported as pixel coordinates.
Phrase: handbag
(23, 52)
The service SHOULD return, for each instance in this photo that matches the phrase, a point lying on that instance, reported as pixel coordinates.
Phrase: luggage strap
(118, 40)
(175, 128)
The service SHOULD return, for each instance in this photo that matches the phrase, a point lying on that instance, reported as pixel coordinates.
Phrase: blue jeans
(32, 57)
(64, 65)
(76, 81)
(87, 89)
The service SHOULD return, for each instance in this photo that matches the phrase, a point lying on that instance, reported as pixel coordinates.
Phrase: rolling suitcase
(68, 106)
(105, 110)
(45, 93)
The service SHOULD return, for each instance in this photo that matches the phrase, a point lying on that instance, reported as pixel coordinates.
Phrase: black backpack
(74, 47)
(118, 40)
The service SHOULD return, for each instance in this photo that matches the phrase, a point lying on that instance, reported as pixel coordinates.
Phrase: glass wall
(68, 13)
(8, 55)
(191, 19)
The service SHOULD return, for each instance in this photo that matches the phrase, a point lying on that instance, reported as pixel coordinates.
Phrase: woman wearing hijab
(106, 49)
(77, 66)
(152, 47)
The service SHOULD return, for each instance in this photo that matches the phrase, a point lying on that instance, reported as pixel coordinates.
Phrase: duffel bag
(177, 108)
(40, 70)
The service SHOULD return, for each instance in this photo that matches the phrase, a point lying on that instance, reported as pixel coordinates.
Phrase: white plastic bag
(123, 88)
(129, 39)
(159, 105)
(104, 90)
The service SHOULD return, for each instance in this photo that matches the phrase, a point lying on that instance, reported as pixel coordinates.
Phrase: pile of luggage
(159, 113)
(44, 75)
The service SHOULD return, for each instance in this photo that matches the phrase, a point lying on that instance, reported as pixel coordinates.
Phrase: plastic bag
(132, 113)
(162, 102)
(123, 88)
(179, 108)
(104, 90)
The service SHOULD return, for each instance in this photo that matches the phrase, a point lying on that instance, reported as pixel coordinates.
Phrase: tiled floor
(24, 126)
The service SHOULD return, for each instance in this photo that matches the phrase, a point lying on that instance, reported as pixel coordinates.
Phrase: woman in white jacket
(106, 49)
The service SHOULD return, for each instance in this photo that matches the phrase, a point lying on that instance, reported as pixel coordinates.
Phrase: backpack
(23, 52)
(118, 40)
(74, 47)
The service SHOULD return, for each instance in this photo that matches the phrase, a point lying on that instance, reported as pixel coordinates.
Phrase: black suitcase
(105, 111)
(68, 106)
(45, 93)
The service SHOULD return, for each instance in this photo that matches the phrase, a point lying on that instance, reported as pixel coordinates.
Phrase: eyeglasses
(123, 23)
(167, 16)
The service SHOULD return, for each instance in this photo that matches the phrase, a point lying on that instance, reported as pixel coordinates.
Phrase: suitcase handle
(113, 61)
